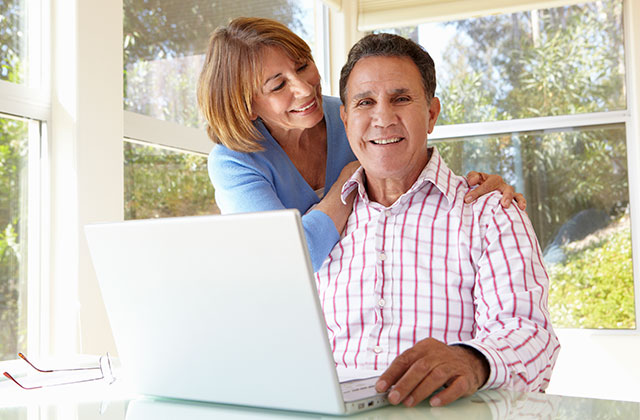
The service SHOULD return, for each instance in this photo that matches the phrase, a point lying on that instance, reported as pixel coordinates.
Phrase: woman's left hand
(487, 183)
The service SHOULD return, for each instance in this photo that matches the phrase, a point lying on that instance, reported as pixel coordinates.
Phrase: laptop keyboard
(358, 388)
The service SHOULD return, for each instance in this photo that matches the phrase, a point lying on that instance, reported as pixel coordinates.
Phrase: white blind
(378, 14)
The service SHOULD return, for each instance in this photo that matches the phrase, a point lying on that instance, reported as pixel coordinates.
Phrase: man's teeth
(306, 107)
(387, 141)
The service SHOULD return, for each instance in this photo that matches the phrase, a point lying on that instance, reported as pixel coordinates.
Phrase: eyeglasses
(104, 366)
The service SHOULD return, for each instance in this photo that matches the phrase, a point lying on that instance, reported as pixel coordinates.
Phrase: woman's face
(290, 96)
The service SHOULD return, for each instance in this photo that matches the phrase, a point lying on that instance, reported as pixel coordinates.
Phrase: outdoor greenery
(594, 285)
(162, 183)
(13, 164)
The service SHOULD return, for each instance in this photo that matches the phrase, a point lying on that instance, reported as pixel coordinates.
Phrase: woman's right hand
(332, 205)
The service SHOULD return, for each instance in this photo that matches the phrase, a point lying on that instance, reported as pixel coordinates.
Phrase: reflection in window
(13, 237)
(164, 183)
(548, 62)
(165, 42)
(13, 47)
(577, 192)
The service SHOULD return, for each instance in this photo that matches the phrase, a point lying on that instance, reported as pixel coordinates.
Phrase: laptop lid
(217, 308)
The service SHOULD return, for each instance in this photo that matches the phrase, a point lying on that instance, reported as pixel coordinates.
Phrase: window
(21, 108)
(164, 47)
(539, 97)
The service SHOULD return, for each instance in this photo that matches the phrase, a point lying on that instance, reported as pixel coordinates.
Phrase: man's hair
(389, 45)
(232, 73)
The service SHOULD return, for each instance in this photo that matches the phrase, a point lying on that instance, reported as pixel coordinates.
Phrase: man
(438, 292)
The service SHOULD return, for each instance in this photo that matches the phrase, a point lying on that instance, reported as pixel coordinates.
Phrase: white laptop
(221, 309)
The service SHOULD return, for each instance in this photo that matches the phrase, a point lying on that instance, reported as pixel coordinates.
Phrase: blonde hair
(232, 74)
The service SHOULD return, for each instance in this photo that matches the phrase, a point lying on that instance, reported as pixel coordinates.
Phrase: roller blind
(379, 14)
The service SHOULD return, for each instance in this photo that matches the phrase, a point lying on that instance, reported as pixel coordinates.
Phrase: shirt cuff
(498, 372)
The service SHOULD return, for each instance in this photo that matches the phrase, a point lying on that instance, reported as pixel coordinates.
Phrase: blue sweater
(268, 180)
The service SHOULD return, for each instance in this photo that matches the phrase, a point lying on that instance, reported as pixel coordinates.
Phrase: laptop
(221, 309)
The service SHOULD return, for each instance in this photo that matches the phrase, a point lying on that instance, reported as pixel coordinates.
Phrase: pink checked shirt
(432, 266)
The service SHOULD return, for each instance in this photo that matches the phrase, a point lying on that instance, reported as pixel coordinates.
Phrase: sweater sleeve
(243, 185)
(514, 332)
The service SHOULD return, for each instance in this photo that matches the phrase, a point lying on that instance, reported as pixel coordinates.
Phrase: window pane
(164, 183)
(165, 42)
(547, 62)
(577, 195)
(13, 237)
(13, 46)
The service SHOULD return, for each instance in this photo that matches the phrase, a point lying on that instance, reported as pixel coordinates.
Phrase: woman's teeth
(306, 107)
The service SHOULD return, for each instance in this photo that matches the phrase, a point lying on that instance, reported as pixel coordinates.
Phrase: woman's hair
(232, 73)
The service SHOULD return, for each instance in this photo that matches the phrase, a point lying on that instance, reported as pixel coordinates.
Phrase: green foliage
(13, 150)
(163, 183)
(12, 40)
(593, 288)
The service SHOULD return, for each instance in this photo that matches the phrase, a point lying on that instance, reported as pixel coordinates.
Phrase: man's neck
(386, 191)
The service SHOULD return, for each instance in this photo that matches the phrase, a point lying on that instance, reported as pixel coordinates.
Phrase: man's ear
(434, 111)
(343, 116)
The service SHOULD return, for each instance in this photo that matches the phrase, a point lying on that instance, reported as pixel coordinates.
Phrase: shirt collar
(435, 172)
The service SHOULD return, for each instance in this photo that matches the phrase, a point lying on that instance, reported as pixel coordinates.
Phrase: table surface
(100, 401)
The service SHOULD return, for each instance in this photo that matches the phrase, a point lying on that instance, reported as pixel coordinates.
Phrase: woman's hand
(487, 183)
(332, 204)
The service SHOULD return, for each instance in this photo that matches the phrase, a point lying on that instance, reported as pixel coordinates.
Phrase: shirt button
(382, 256)
(377, 349)
(387, 213)
(381, 303)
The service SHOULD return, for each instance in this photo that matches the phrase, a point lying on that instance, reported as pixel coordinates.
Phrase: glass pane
(165, 183)
(165, 42)
(547, 62)
(13, 237)
(13, 41)
(577, 195)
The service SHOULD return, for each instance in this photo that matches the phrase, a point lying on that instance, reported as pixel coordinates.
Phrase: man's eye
(403, 99)
(364, 102)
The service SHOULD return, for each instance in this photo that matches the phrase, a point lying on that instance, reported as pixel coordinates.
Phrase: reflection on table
(489, 405)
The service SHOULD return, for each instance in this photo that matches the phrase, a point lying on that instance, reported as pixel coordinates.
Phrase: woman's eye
(303, 67)
(280, 86)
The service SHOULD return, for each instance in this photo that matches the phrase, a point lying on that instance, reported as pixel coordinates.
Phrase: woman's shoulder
(331, 104)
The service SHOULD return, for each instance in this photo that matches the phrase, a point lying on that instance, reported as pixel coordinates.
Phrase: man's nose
(384, 115)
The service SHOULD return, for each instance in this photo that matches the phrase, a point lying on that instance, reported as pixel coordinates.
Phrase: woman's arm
(245, 185)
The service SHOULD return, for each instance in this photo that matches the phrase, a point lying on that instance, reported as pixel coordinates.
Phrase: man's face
(387, 117)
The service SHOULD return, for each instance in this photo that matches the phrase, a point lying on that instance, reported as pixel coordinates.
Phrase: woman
(279, 142)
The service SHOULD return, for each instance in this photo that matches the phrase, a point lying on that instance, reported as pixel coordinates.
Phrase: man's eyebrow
(362, 95)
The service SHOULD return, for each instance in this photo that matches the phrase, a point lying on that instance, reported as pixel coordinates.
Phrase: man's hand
(430, 364)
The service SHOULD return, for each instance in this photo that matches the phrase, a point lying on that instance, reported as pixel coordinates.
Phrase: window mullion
(563, 122)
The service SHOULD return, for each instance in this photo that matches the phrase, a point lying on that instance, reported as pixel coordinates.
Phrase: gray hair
(390, 45)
